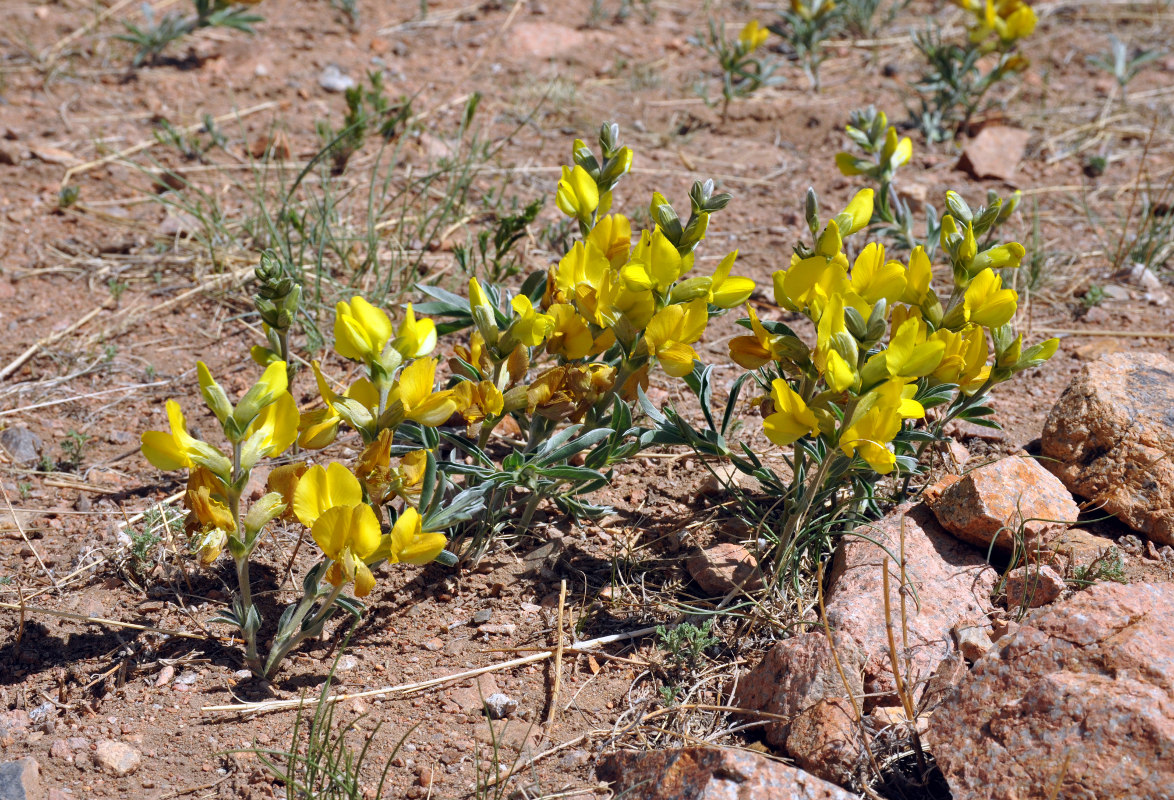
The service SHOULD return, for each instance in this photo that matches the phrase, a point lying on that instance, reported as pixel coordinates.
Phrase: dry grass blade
(23, 607)
(45, 341)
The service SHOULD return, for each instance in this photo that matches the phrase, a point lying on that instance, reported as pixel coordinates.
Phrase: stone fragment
(793, 676)
(116, 758)
(719, 568)
(994, 153)
(952, 582)
(20, 780)
(994, 502)
(825, 740)
(894, 717)
(500, 706)
(1078, 703)
(1077, 547)
(973, 641)
(22, 445)
(1033, 586)
(470, 699)
(333, 79)
(704, 773)
(722, 479)
(1110, 439)
(544, 40)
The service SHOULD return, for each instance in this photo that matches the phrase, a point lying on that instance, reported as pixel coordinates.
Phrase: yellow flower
(660, 259)
(612, 235)
(321, 488)
(836, 352)
(348, 536)
(756, 350)
(874, 279)
(319, 428)
(752, 36)
(284, 480)
(571, 337)
(530, 326)
(414, 392)
(858, 210)
(870, 434)
(476, 401)
(178, 449)
(566, 392)
(917, 277)
(727, 291)
(987, 303)
(361, 330)
(896, 153)
(414, 338)
(671, 332)
(964, 358)
(408, 543)
(272, 432)
(577, 195)
(792, 419)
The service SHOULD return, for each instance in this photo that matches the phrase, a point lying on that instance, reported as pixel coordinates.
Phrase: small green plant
(1123, 63)
(368, 108)
(491, 257)
(321, 761)
(25, 488)
(68, 195)
(117, 288)
(153, 37)
(804, 28)
(1108, 566)
(685, 644)
(955, 86)
(350, 9)
(743, 72)
(74, 446)
(192, 146)
(160, 522)
(1093, 296)
(860, 16)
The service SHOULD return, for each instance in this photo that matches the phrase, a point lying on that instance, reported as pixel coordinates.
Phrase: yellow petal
(323, 488)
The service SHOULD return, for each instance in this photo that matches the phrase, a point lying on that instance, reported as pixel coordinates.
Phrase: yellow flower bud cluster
(1009, 20)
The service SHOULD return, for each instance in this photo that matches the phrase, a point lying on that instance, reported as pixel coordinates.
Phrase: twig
(75, 398)
(405, 688)
(1129, 334)
(23, 535)
(902, 691)
(558, 658)
(45, 341)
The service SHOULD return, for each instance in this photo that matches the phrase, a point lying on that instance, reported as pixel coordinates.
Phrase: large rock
(994, 503)
(826, 741)
(1083, 694)
(20, 780)
(1110, 438)
(950, 582)
(703, 773)
(793, 676)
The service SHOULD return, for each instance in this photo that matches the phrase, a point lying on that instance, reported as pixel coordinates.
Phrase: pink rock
(1082, 694)
(719, 568)
(994, 152)
(1111, 435)
(705, 773)
(116, 758)
(825, 740)
(991, 504)
(793, 676)
(953, 582)
(1032, 586)
(21, 780)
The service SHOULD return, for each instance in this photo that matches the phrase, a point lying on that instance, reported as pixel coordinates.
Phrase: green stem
(243, 581)
(284, 645)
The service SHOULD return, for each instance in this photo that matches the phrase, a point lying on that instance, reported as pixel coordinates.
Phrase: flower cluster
(854, 389)
(1009, 20)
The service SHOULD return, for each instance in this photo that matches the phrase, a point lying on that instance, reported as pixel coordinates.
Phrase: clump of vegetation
(743, 68)
(1123, 63)
(804, 28)
(153, 37)
(958, 78)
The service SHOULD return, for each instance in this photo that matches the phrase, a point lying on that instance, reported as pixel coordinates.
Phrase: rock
(994, 153)
(20, 780)
(1076, 547)
(116, 758)
(721, 480)
(22, 445)
(470, 699)
(54, 155)
(1032, 586)
(973, 641)
(952, 581)
(705, 773)
(482, 616)
(165, 675)
(720, 568)
(793, 676)
(545, 40)
(1078, 703)
(1111, 435)
(500, 706)
(60, 749)
(333, 79)
(992, 503)
(825, 740)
